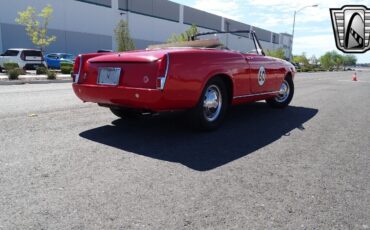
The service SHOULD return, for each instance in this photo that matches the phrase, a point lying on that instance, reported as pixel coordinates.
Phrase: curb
(31, 81)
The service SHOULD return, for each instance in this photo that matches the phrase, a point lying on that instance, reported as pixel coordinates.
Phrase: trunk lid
(138, 69)
(134, 56)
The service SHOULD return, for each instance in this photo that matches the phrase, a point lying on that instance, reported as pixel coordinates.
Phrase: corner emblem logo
(261, 76)
(351, 25)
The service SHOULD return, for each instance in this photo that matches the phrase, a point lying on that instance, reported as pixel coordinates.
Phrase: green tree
(338, 60)
(193, 30)
(37, 25)
(301, 59)
(123, 38)
(279, 53)
(333, 60)
(349, 60)
(327, 61)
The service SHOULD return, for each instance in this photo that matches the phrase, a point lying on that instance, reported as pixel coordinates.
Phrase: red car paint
(189, 69)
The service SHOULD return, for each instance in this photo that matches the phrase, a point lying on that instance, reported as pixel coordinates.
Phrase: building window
(105, 3)
(275, 38)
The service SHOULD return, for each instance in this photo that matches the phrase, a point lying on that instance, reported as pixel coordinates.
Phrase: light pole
(1, 40)
(295, 13)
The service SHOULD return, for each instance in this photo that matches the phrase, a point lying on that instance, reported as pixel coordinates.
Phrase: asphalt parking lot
(69, 165)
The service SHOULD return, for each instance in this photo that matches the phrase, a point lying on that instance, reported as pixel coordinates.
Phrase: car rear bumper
(146, 99)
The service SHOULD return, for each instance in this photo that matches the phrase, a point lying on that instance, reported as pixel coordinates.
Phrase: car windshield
(68, 56)
(241, 41)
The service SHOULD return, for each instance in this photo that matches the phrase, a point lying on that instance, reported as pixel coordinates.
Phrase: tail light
(77, 69)
(163, 65)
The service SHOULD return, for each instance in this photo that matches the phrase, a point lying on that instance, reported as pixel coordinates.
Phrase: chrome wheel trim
(283, 92)
(212, 103)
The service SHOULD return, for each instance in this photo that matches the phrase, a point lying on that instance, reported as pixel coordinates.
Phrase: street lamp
(295, 13)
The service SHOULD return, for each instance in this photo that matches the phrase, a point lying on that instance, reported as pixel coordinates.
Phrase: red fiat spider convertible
(201, 75)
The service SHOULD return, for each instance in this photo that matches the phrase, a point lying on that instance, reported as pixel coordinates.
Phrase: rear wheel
(212, 106)
(285, 95)
(126, 113)
(1, 69)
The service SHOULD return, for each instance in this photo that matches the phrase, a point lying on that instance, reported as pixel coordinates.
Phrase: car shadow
(170, 138)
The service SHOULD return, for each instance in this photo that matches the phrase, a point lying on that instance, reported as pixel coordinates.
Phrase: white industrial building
(83, 26)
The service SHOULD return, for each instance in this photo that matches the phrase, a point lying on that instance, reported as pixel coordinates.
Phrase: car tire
(126, 113)
(285, 96)
(212, 106)
(1, 69)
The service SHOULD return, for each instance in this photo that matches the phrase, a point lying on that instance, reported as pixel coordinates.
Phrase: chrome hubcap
(212, 103)
(283, 92)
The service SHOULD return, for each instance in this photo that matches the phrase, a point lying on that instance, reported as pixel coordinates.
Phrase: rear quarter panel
(190, 70)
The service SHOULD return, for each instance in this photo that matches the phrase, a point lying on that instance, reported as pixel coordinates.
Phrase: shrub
(13, 74)
(66, 69)
(52, 75)
(305, 69)
(10, 66)
(66, 64)
(320, 69)
(41, 70)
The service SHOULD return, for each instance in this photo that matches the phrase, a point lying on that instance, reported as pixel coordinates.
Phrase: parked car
(28, 59)
(296, 65)
(202, 76)
(53, 60)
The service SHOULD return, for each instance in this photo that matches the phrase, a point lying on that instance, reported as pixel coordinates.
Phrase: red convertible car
(201, 75)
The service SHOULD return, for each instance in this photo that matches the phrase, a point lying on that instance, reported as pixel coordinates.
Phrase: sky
(313, 29)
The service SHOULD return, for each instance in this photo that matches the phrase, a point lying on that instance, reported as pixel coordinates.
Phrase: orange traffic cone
(354, 77)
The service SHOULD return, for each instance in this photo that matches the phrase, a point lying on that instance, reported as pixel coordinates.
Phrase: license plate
(109, 76)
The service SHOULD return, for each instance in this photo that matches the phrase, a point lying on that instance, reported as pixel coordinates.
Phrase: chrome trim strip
(77, 78)
(257, 94)
(164, 78)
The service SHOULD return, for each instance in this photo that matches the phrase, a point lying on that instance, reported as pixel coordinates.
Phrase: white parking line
(360, 81)
(315, 79)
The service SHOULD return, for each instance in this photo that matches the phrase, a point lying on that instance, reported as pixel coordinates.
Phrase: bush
(10, 66)
(320, 69)
(52, 75)
(66, 69)
(305, 69)
(41, 70)
(67, 64)
(13, 74)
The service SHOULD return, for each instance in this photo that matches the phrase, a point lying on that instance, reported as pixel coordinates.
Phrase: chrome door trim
(257, 94)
